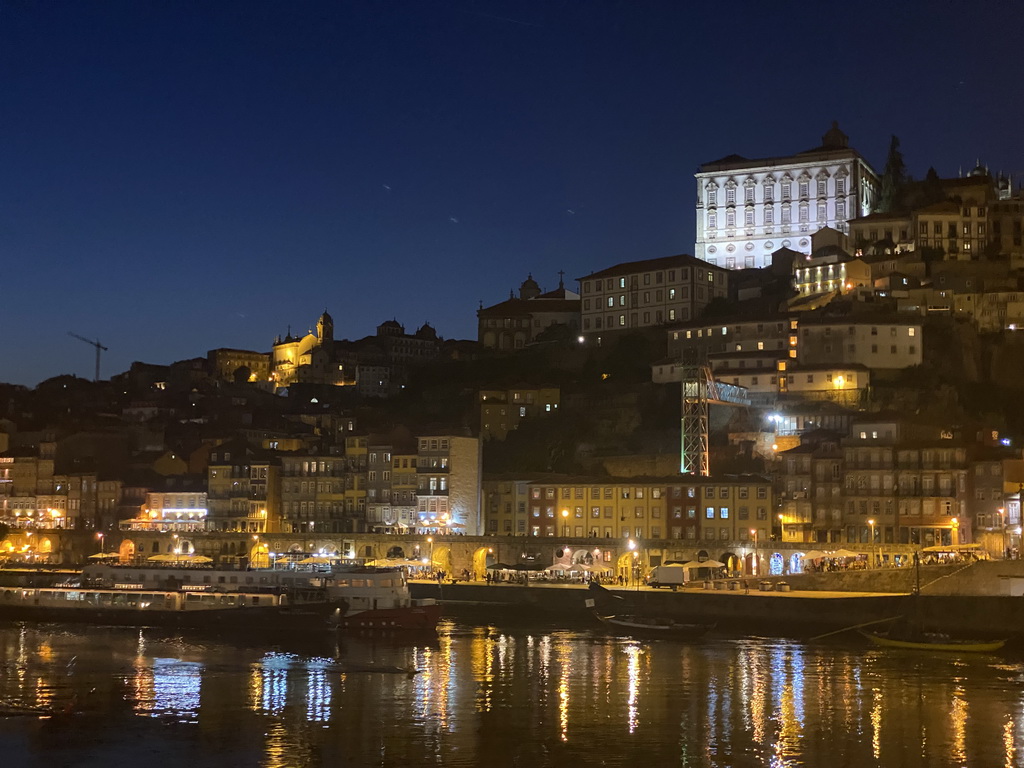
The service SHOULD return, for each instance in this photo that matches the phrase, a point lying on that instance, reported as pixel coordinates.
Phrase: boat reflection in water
(495, 695)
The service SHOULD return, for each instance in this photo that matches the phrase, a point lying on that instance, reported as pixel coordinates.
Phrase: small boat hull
(416, 618)
(955, 646)
(652, 627)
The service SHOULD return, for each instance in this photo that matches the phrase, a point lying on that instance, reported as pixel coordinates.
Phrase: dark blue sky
(179, 176)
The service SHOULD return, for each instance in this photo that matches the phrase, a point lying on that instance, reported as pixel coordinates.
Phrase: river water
(496, 694)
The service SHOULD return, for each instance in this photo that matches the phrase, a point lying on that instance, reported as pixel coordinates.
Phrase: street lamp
(782, 528)
(872, 524)
(100, 537)
(430, 541)
(755, 569)
(955, 531)
(1002, 528)
(565, 523)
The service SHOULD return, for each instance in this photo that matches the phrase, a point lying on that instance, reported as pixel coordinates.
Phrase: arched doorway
(395, 553)
(440, 558)
(126, 552)
(483, 557)
(775, 564)
(733, 564)
(627, 568)
(259, 555)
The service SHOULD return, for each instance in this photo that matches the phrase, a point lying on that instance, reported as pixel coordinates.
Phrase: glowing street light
(871, 523)
(565, 523)
(1002, 528)
(100, 537)
(755, 568)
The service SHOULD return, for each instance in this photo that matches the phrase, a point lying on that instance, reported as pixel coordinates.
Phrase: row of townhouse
(808, 355)
(686, 507)
(891, 481)
(427, 483)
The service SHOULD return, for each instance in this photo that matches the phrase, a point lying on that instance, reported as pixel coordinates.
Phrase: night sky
(180, 176)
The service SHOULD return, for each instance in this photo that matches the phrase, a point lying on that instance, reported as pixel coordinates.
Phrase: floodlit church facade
(748, 209)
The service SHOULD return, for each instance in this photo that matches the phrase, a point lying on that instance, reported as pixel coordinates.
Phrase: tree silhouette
(894, 178)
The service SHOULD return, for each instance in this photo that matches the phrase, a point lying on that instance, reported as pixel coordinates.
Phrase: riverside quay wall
(786, 614)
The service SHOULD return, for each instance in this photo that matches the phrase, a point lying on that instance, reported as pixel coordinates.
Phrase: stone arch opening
(482, 557)
(440, 558)
(395, 553)
(733, 564)
(259, 555)
(627, 568)
(126, 552)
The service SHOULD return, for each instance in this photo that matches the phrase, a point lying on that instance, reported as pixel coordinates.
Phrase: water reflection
(505, 695)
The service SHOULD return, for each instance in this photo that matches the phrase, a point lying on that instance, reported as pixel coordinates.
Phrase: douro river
(494, 694)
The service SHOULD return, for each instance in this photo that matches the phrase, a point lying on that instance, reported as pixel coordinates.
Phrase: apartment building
(448, 471)
(644, 294)
(501, 410)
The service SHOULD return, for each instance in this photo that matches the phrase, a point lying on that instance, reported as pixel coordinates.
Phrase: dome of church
(529, 289)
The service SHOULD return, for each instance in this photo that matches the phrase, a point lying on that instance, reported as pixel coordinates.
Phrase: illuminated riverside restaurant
(170, 513)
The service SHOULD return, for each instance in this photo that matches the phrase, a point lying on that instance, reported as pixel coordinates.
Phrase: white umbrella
(844, 554)
(104, 556)
(165, 558)
(705, 564)
(814, 554)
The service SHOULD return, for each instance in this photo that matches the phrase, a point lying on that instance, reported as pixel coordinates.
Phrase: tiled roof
(650, 265)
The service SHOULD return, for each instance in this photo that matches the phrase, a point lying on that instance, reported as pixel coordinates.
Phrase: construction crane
(99, 348)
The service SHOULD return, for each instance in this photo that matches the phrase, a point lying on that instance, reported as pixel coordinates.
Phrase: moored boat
(933, 642)
(655, 626)
(179, 609)
(378, 599)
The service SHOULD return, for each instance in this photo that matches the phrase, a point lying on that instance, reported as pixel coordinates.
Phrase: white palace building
(747, 209)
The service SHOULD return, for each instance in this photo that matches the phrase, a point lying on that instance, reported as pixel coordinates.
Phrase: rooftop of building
(545, 478)
(513, 307)
(834, 144)
(651, 265)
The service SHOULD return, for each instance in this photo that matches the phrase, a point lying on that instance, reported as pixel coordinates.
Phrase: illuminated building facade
(322, 493)
(505, 506)
(391, 482)
(448, 484)
(746, 209)
(243, 489)
(683, 508)
(170, 512)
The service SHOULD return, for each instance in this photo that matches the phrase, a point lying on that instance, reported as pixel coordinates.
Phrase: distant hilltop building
(747, 209)
(648, 293)
(375, 365)
(516, 322)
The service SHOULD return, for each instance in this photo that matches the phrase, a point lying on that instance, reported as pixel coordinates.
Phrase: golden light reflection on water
(715, 703)
(633, 676)
(1009, 748)
(958, 720)
(563, 652)
(876, 723)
